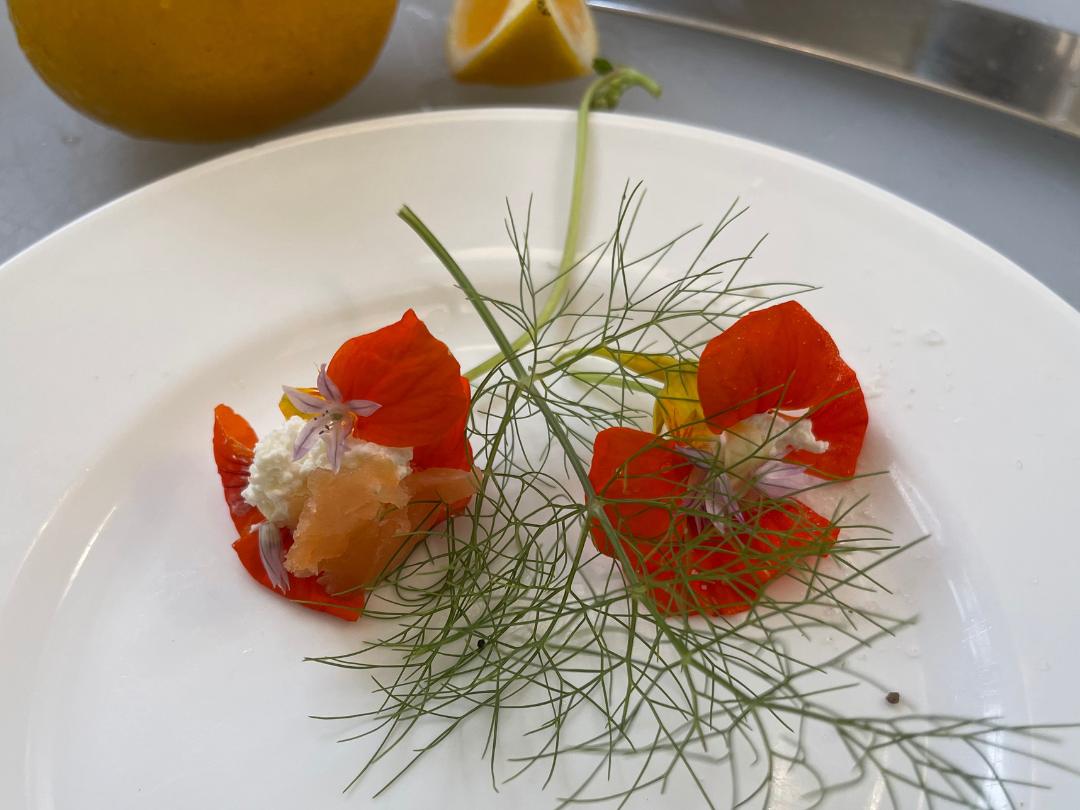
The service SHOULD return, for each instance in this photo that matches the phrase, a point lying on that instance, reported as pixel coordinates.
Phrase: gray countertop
(1009, 183)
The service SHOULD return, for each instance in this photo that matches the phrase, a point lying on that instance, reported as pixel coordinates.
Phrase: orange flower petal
(302, 590)
(413, 376)
(452, 450)
(648, 475)
(726, 575)
(677, 411)
(781, 358)
(234, 449)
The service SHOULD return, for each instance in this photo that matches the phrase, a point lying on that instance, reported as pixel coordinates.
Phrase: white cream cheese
(277, 486)
(764, 436)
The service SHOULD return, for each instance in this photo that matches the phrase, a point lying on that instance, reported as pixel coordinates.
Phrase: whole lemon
(201, 69)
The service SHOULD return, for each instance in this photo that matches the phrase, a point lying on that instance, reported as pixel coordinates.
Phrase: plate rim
(1044, 294)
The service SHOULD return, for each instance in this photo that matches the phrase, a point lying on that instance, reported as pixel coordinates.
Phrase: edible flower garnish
(703, 507)
(340, 523)
(234, 450)
(780, 359)
(677, 407)
(411, 374)
(334, 417)
(272, 555)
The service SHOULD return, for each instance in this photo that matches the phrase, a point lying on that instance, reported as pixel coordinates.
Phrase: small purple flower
(717, 493)
(334, 418)
(272, 556)
(778, 479)
(711, 492)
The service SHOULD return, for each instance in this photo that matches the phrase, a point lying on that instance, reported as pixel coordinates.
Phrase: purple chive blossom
(712, 493)
(778, 479)
(272, 555)
(333, 420)
(715, 493)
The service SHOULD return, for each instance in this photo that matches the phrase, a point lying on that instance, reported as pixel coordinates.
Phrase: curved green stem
(603, 93)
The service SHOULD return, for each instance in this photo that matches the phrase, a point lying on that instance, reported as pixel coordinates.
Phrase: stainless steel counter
(1009, 183)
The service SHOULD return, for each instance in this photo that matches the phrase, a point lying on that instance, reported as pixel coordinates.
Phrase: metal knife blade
(1010, 63)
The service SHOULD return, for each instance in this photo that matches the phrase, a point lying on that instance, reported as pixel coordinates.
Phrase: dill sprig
(510, 618)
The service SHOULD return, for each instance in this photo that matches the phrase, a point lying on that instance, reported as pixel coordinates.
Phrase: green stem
(604, 91)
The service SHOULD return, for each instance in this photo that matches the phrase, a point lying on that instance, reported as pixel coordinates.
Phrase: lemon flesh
(521, 41)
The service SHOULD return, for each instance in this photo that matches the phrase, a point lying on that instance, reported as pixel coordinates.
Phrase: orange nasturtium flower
(398, 387)
(702, 537)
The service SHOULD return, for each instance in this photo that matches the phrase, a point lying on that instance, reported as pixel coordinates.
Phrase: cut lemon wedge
(521, 41)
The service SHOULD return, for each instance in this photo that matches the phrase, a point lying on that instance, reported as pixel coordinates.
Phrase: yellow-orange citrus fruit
(520, 41)
(362, 523)
(201, 69)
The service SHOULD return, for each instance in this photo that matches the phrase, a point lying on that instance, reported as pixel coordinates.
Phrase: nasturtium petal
(780, 358)
(726, 574)
(305, 591)
(677, 412)
(234, 449)
(643, 479)
(410, 374)
(450, 451)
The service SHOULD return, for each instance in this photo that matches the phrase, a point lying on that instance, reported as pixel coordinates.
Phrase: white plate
(140, 665)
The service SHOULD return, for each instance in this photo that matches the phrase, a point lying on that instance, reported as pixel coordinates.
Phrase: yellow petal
(678, 410)
(288, 409)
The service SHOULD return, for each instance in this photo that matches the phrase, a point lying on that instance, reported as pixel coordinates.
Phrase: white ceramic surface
(140, 668)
